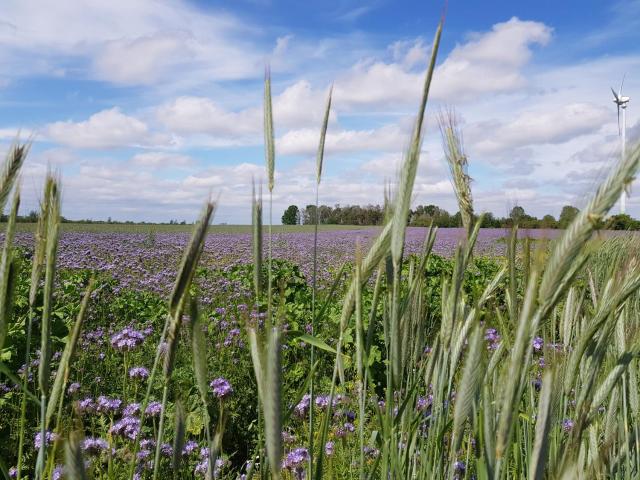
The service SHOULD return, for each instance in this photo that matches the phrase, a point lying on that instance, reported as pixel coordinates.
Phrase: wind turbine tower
(622, 102)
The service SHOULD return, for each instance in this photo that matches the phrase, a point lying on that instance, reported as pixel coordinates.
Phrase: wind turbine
(622, 102)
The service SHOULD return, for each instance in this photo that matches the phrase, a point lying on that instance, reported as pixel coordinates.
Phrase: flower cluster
(139, 373)
(49, 438)
(493, 338)
(221, 388)
(127, 339)
(93, 446)
(126, 427)
(295, 461)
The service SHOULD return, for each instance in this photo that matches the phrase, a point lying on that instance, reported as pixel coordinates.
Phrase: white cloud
(126, 42)
(551, 125)
(203, 115)
(297, 106)
(490, 62)
(141, 60)
(305, 141)
(105, 129)
(161, 160)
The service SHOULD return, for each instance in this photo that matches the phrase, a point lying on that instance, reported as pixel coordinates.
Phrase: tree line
(425, 215)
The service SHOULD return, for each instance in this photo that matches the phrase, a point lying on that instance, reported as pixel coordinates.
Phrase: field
(226, 352)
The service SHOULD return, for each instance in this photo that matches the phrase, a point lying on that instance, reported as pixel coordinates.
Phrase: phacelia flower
(153, 409)
(302, 407)
(131, 410)
(93, 446)
(127, 427)
(127, 339)
(73, 388)
(140, 373)
(221, 388)
(567, 425)
(329, 448)
(49, 438)
(107, 404)
(538, 343)
(296, 460)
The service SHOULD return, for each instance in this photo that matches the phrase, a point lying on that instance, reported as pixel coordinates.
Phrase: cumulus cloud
(299, 105)
(489, 62)
(127, 42)
(161, 160)
(105, 129)
(305, 141)
(553, 124)
(203, 115)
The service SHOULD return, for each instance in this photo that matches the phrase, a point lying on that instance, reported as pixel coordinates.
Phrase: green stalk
(314, 292)
(53, 225)
(36, 274)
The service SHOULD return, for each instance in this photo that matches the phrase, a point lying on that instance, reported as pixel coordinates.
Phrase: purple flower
(73, 388)
(127, 427)
(221, 388)
(322, 401)
(567, 425)
(147, 443)
(58, 472)
(493, 338)
(139, 373)
(93, 446)
(371, 452)
(424, 402)
(538, 343)
(143, 454)
(131, 409)
(344, 430)
(537, 384)
(13, 472)
(49, 438)
(329, 448)
(153, 409)
(127, 339)
(302, 407)
(166, 449)
(296, 460)
(201, 468)
(108, 405)
(86, 405)
(189, 447)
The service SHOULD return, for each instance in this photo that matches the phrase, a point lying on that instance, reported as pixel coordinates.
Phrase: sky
(145, 108)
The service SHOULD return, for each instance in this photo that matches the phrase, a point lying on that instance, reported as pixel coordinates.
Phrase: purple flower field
(149, 262)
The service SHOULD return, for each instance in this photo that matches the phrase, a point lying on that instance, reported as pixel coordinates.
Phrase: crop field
(257, 352)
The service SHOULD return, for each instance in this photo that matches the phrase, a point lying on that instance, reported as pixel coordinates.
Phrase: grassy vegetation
(406, 367)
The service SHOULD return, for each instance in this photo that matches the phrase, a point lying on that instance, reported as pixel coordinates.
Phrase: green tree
(622, 221)
(291, 216)
(517, 214)
(567, 215)
(548, 221)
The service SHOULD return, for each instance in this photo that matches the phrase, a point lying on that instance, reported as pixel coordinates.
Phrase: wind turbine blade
(621, 84)
(615, 95)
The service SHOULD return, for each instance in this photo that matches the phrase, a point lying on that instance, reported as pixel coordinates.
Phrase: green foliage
(291, 215)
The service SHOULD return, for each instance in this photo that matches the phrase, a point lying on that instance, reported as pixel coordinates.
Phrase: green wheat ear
(458, 165)
(323, 136)
(269, 140)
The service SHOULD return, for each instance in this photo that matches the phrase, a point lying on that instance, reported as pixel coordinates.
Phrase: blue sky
(146, 107)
